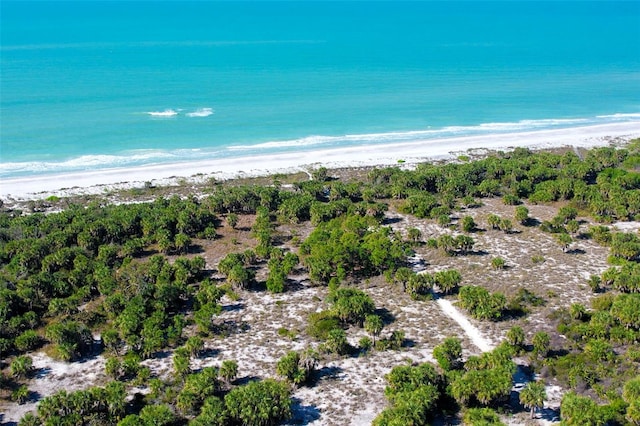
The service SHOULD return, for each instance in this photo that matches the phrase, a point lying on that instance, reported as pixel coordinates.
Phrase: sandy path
(470, 330)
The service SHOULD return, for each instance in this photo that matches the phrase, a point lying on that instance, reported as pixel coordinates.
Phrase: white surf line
(452, 312)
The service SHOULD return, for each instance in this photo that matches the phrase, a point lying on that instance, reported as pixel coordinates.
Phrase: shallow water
(91, 85)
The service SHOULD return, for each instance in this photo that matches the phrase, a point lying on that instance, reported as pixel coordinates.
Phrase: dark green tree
(448, 353)
(533, 396)
(262, 403)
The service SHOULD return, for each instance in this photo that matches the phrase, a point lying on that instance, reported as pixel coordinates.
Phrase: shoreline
(408, 153)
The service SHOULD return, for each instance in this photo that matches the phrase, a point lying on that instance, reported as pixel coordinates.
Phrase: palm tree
(373, 324)
(541, 342)
(21, 394)
(181, 360)
(194, 345)
(21, 366)
(533, 396)
(115, 399)
(446, 242)
(564, 240)
(494, 221)
(229, 371)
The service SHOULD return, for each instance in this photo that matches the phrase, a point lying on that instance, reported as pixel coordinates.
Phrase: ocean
(90, 85)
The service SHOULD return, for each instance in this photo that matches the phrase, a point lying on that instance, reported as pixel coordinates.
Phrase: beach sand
(99, 181)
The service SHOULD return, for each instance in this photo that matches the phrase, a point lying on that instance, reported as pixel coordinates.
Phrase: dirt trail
(470, 330)
(417, 264)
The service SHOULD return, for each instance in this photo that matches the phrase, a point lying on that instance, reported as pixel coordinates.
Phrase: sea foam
(201, 112)
(436, 133)
(165, 113)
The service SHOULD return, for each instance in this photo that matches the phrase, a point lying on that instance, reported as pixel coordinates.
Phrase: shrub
(266, 402)
(511, 200)
(481, 304)
(537, 259)
(365, 343)
(351, 305)
(448, 353)
(498, 263)
(321, 324)
(481, 416)
(468, 224)
(337, 342)
(28, 341)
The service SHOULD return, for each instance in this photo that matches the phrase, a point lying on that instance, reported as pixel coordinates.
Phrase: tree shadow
(549, 414)
(233, 307)
(241, 381)
(193, 249)
(41, 373)
(230, 327)
(303, 414)
(386, 315)
(256, 286)
(531, 221)
(575, 251)
(557, 353)
(161, 354)
(438, 294)
(208, 353)
(391, 220)
(477, 253)
(280, 240)
(504, 268)
(33, 396)
(408, 343)
(513, 313)
(332, 372)
(295, 285)
(582, 236)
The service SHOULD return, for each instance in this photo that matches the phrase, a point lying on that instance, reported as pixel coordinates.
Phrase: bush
(266, 402)
(394, 341)
(511, 200)
(288, 368)
(448, 353)
(498, 263)
(337, 342)
(351, 305)
(28, 341)
(481, 417)
(468, 224)
(365, 343)
(321, 324)
(481, 304)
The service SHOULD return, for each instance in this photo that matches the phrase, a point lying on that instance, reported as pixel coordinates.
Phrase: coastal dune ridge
(408, 153)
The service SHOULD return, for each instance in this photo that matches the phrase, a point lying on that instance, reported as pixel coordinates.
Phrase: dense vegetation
(131, 274)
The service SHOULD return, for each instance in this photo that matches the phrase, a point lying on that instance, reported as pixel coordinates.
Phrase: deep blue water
(78, 79)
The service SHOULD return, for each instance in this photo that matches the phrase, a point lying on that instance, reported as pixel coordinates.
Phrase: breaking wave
(201, 112)
(441, 133)
(135, 158)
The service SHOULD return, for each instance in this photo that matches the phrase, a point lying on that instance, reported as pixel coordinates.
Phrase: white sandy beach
(93, 182)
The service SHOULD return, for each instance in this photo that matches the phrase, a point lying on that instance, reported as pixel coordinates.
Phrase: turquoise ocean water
(100, 84)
